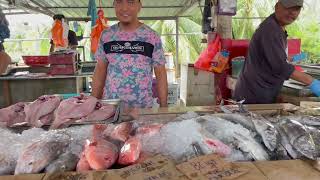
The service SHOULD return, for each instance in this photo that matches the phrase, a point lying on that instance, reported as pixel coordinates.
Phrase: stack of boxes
(63, 64)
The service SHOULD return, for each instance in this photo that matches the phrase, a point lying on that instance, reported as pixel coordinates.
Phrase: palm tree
(249, 15)
(189, 39)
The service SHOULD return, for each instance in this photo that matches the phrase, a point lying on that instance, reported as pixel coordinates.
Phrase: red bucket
(36, 60)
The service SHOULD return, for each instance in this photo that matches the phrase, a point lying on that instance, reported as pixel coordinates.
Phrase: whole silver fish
(239, 119)
(230, 133)
(284, 141)
(267, 131)
(256, 123)
(281, 153)
(305, 120)
(315, 135)
(66, 162)
(299, 138)
(41, 153)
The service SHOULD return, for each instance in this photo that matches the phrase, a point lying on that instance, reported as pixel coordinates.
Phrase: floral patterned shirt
(131, 57)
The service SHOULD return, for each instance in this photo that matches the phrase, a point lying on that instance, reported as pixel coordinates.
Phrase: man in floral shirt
(127, 55)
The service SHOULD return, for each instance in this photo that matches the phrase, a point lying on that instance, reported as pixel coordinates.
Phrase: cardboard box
(200, 168)
(211, 166)
(288, 170)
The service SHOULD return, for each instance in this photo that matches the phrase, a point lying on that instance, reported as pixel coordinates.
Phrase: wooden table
(17, 89)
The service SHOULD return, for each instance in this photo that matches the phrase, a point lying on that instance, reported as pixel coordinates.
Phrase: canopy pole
(177, 49)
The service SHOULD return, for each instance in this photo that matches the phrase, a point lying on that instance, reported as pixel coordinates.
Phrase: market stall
(46, 134)
(157, 131)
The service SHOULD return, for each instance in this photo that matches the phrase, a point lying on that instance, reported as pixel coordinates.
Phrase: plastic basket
(36, 60)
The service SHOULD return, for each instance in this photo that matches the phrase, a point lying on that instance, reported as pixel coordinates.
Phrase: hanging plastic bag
(220, 62)
(206, 56)
(101, 24)
(59, 34)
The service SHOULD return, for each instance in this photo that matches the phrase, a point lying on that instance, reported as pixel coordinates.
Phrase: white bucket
(171, 75)
(169, 60)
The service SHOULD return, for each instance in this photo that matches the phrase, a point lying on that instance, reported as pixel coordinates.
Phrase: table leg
(6, 93)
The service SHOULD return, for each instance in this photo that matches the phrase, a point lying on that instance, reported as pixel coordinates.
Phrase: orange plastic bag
(220, 62)
(101, 24)
(57, 32)
(206, 56)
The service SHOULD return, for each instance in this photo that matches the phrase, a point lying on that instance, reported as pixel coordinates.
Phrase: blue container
(66, 96)
(237, 65)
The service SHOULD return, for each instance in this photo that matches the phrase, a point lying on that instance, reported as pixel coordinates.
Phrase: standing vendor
(5, 59)
(128, 53)
(266, 67)
(72, 37)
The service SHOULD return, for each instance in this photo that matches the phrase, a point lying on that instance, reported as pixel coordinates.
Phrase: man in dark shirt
(72, 37)
(266, 67)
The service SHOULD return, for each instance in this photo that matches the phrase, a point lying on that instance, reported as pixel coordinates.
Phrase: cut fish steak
(100, 153)
(122, 131)
(101, 112)
(13, 114)
(73, 109)
(83, 165)
(130, 151)
(42, 106)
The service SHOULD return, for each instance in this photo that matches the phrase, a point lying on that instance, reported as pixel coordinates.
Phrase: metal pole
(177, 49)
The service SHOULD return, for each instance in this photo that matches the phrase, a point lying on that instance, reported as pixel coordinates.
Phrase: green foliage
(189, 37)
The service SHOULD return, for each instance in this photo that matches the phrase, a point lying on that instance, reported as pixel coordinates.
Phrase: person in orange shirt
(72, 37)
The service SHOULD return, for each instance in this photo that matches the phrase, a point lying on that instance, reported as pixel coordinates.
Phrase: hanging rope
(100, 4)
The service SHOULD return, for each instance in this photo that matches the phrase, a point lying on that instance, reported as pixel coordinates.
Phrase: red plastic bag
(206, 56)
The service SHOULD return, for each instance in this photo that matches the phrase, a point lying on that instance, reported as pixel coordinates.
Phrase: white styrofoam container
(173, 93)
(171, 76)
(169, 60)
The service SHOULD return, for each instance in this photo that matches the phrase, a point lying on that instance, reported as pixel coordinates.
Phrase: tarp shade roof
(77, 9)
